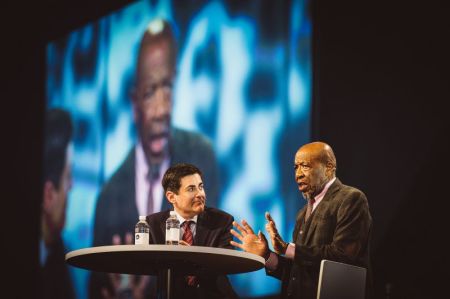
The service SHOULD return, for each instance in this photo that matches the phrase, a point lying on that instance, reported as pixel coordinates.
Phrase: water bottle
(141, 232)
(172, 229)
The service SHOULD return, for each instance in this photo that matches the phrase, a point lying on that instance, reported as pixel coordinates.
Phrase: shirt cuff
(272, 262)
(290, 251)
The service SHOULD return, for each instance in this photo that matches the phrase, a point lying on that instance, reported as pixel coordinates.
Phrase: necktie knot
(187, 235)
(187, 224)
(153, 173)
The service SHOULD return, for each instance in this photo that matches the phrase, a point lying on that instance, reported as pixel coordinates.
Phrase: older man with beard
(335, 225)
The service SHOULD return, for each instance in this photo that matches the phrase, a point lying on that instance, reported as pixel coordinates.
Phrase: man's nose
(162, 103)
(201, 192)
(299, 174)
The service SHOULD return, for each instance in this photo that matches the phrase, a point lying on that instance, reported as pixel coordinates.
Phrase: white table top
(150, 259)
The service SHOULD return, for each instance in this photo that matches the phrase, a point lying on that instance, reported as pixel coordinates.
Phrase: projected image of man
(135, 188)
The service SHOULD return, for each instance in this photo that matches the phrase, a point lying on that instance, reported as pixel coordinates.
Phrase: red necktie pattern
(188, 237)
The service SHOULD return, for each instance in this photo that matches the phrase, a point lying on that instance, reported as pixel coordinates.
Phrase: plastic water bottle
(141, 232)
(172, 229)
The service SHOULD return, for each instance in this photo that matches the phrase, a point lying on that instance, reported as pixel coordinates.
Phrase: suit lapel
(298, 223)
(129, 207)
(309, 228)
(177, 147)
(201, 231)
(311, 224)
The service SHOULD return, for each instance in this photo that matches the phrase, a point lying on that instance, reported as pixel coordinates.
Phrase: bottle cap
(142, 217)
(172, 213)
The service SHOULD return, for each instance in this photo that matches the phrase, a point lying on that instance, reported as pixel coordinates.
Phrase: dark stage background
(379, 95)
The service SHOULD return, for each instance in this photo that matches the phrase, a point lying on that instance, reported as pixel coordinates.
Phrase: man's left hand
(279, 246)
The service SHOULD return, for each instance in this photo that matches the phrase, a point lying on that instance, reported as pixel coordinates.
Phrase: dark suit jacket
(116, 211)
(212, 230)
(337, 230)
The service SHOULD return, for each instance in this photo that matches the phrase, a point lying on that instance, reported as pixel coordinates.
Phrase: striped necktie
(188, 237)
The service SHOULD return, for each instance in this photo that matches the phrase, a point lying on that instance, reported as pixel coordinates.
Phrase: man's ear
(330, 168)
(49, 195)
(171, 196)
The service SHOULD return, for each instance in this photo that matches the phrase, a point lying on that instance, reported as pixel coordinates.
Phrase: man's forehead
(192, 179)
(158, 50)
(303, 156)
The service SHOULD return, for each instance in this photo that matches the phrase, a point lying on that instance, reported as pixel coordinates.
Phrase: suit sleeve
(225, 235)
(283, 269)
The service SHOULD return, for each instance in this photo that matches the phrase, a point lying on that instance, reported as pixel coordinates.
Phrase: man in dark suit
(335, 225)
(183, 187)
(57, 181)
(135, 188)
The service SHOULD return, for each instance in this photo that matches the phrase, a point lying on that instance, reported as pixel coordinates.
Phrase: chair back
(341, 281)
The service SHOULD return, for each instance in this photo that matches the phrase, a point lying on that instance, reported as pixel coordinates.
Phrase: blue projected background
(244, 80)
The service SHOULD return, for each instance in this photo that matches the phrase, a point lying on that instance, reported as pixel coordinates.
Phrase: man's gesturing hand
(250, 242)
(277, 242)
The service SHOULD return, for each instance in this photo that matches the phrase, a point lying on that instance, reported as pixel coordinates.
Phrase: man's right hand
(279, 246)
(250, 242)
(135, 284)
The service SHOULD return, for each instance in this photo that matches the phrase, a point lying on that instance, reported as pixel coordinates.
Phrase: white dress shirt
(142, 183)
(193, 224)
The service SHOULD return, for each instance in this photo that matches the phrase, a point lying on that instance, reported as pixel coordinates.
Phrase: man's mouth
(157, 143)
(302, 186)
(198, 202)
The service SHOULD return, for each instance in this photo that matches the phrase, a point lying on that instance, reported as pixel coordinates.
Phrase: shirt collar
(319, 196)
(181, 219)
(142, 166)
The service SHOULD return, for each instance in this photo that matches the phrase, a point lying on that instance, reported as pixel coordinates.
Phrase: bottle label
(172, 236)
(141, 238)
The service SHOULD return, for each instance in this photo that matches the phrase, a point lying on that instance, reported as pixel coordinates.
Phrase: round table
(152, 259)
